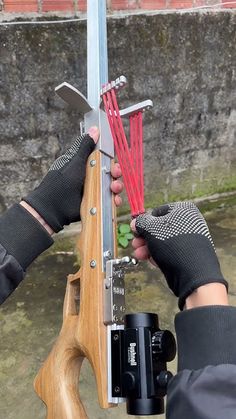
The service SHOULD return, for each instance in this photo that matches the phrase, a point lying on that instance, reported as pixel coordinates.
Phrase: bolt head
(107, 254)
(93, 211)
(92, 163)
(93, 263)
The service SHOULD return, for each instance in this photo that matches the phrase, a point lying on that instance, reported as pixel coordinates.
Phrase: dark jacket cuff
(11, 274)
(206, 336)
(22, 235)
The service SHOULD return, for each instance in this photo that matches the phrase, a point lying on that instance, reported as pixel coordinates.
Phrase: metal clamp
(138, 107)
(114, 289)
(115, 84)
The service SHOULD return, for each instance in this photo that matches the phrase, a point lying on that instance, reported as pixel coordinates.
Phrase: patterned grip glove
(180, 243)
(58, 197)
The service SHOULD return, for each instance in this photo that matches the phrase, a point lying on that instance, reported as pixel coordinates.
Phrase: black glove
(58, 197)
(180, 243)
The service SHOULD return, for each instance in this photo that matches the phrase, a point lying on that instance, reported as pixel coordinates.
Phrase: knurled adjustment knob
(163, 345)
(163, 379)
(129, 382)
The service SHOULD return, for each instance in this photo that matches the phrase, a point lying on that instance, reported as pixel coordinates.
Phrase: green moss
(215, 186)
(156, 199)
(219, 203)
(163, 38)
(15, 321)
(202, 189)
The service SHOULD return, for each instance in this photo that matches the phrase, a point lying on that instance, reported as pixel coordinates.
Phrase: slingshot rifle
(84, 333)
(94, 330)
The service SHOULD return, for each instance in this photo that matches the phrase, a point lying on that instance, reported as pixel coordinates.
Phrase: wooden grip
(91, 332)
(83, 333)
(57, 381)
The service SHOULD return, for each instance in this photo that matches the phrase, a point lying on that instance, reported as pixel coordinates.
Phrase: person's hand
(56, 201)
(178, 240)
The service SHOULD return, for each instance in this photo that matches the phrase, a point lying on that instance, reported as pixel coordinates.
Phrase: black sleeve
(22, 239)
(11, 274)
(208, 393)
(204, 387)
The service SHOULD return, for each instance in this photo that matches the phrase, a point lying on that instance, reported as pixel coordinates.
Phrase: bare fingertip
(116, 171)
(94, 133)
(132, 225)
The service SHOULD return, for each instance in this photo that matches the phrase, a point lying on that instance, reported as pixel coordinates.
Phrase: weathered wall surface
(185, 63)
(76, 7)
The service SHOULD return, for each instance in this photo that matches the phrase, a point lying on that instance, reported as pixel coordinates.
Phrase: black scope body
(139, 356)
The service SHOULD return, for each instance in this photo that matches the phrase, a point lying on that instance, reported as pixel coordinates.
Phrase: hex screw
(92, 163)
(116, 337)
(107, 254)
(117, 389)
(93, 263)
(93, 211)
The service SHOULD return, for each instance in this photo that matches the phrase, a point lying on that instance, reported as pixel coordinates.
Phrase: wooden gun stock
(83, 334)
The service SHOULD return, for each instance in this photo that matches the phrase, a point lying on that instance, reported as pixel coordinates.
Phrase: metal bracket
(115, 84)
(77, 100)
(99, 119)
(131, 110)
(111, 398)
(73, 97)
(138, 107)
(114, 288)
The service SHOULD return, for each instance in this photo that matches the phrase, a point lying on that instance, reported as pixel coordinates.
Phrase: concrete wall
(185, 63)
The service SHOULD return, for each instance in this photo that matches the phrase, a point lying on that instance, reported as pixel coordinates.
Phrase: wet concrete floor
(31, 318)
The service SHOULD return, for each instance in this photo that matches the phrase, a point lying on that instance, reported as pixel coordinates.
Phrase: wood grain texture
(83, 333)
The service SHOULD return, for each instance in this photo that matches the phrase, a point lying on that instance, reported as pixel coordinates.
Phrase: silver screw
(116, 337)
(107, 254)
(134, 261)
(108, 283)
(93, 263)
(92, 163)
(117, 389)
(93, 211)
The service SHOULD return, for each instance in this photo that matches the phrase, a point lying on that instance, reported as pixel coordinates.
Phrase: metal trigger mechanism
(114, 289)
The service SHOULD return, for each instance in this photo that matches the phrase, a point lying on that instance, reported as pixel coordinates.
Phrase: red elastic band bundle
(130, 157)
